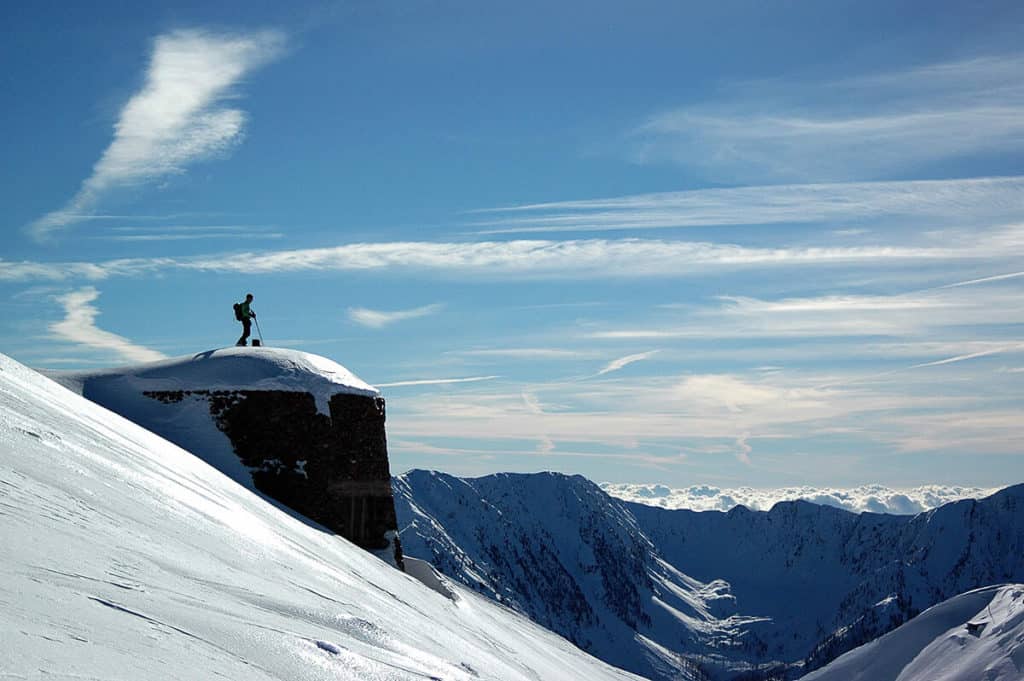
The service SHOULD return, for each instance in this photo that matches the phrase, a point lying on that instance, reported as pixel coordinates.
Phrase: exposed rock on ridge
(297, 427)
(332, 469)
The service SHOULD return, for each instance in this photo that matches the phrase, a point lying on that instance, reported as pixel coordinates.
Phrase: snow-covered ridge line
(235, 368)
(866, 498)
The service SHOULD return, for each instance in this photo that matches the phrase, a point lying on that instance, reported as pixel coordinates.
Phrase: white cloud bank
(79, 327)
(176, 119)
(376, 319)
(870, 498)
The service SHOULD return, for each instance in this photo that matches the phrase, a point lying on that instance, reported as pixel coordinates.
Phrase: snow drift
(122, 555)
(976, 635)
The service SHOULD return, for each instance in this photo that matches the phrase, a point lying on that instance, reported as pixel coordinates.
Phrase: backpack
(238, 311)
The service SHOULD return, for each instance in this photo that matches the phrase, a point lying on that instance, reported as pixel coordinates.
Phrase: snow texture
(558, 549)
(741, 593)
(236, 368)
(863, 499)
(124, 556)
(976, 636)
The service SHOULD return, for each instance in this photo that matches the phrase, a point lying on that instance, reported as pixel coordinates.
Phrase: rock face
(298, 428)
(332, 469)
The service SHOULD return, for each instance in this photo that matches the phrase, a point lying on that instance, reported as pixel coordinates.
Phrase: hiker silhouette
(245, 315)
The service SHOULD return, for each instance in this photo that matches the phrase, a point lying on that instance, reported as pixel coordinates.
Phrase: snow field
(123, 556)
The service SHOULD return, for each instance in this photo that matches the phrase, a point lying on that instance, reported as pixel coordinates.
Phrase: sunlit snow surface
(976, 636)
(232, 368)
(123, 556)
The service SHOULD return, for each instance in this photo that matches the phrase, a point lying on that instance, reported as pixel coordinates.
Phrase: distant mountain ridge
(558, 549)
(739, 593)
(850, 577)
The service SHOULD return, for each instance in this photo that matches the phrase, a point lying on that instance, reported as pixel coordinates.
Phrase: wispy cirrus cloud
(749, 417)
(187, 233)
(623, 362)
(971, 199)
(917, 315)
(437, 381)
(548, 259)
(376, 319)
(560, 259)
(177, 118)
(527, 353)
(79, 327)
(829, 304)
(849, 128)
(715, 414)
(198, 236)
(985, 280)
(1011, 348)
(27, 270)
(994, 430)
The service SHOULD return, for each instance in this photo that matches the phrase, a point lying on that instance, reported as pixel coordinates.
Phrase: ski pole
(258, 330)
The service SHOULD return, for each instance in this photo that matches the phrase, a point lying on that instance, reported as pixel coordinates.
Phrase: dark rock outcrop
(332, 469)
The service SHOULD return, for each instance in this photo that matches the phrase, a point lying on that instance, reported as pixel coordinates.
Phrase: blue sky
(732, 243)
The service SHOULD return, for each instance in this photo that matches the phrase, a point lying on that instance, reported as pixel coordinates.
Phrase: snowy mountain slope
(123, 556)
(557, 549)
(827, 575)
(978, 635)
(792, 587)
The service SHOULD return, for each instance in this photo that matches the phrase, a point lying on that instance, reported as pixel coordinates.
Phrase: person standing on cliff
(244, 315)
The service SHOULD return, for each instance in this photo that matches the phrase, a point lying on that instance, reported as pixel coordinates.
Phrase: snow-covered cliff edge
(299, 428)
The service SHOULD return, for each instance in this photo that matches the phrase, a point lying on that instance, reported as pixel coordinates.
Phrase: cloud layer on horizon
(866, 498)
